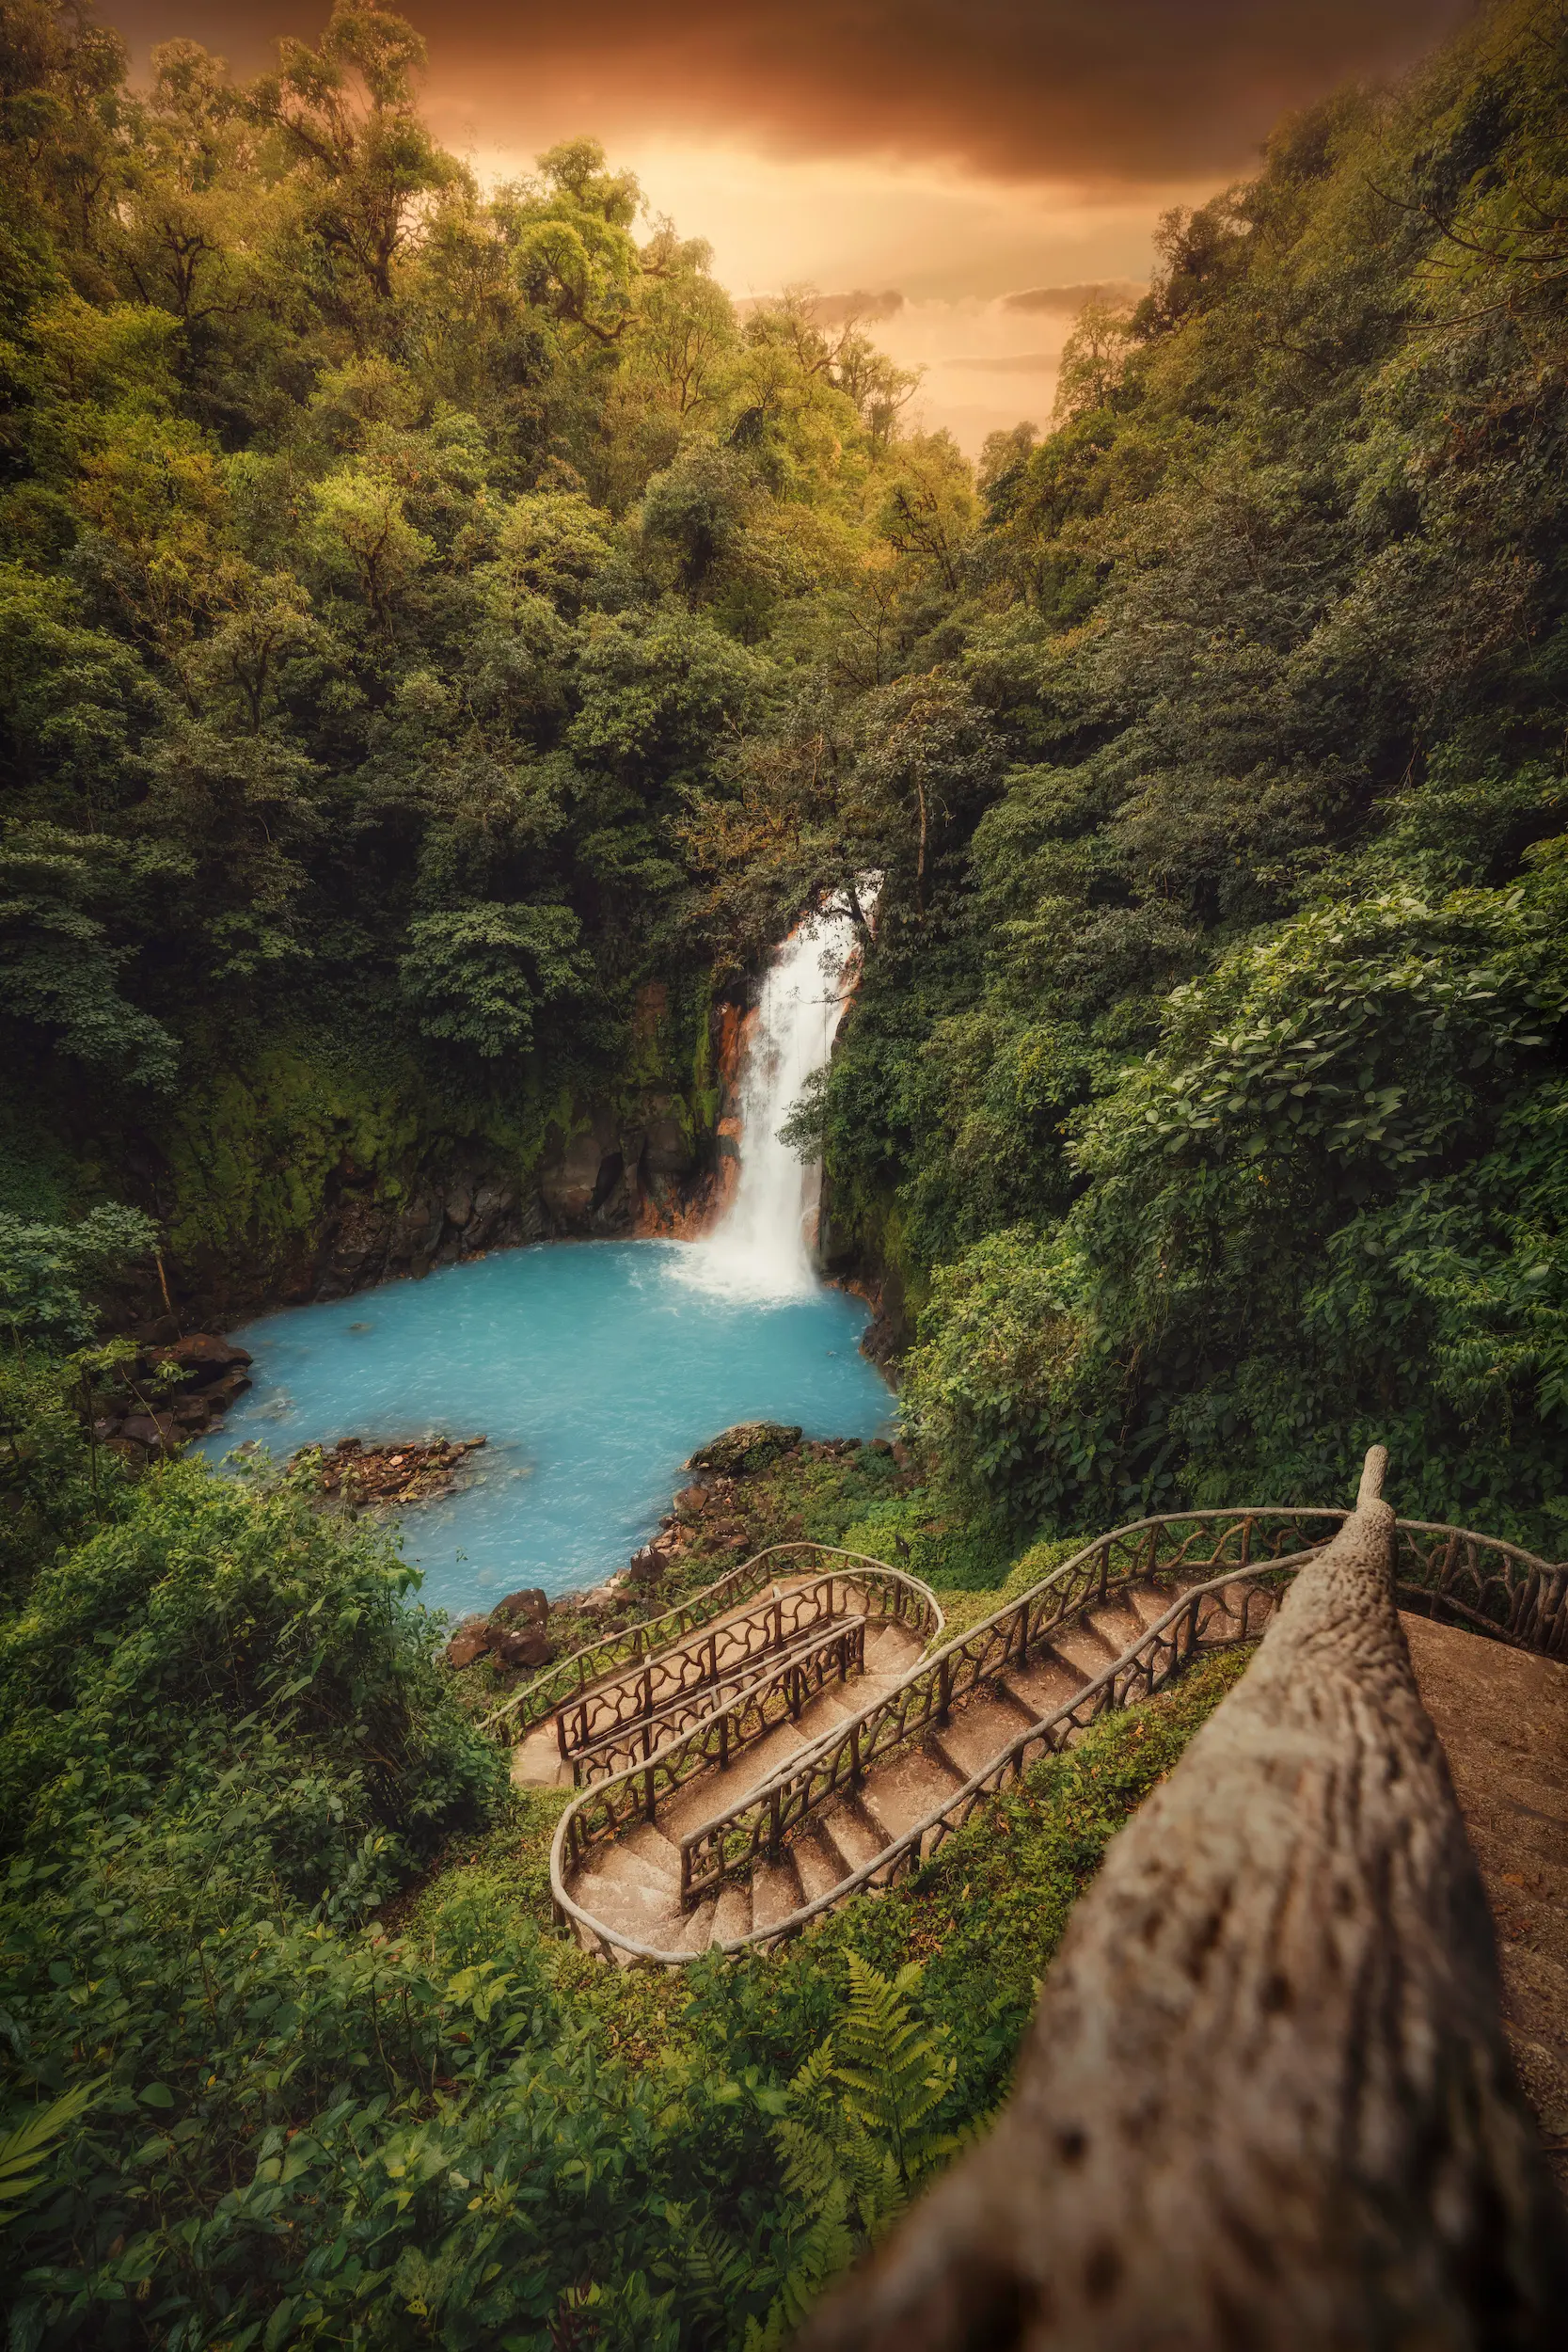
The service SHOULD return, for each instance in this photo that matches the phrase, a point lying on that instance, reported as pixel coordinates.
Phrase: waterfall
(762, 1246)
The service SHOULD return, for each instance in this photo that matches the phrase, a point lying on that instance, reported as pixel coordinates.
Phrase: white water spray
(762, 1246)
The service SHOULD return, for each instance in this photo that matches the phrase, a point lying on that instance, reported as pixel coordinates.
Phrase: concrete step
(697, 1931)
(904, 1790)
(616, 1864)
(653, 1846)
(732, 1912)
(1082, 1647)
(849, 1831)
(1118, 1623)
(819, 1863)
(536, 1759)
(628, 1901)
(979, 1730)
(1149, 1602)
(1046, 1682)
(776, 1891)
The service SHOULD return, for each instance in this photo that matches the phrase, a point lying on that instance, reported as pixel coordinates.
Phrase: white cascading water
(762, 1246)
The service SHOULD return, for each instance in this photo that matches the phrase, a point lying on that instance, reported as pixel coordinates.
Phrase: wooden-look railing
(675, 1673)
(1221, 1614)
(1482, 1581)
(561, 1682)
(885, 1595)
(836, 1637)
(728, 1846)
(1267, 2097)
(570, 1677)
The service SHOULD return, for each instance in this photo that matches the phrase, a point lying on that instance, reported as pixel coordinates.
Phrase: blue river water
(594, 1370)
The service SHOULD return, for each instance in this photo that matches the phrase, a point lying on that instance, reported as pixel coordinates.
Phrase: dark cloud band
(1136, 90)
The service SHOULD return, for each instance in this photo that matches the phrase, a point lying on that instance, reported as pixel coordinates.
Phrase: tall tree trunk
(1266, 2099)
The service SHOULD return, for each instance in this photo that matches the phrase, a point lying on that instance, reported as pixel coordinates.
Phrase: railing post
(724, 1740)
(649, 1802)
(945, 1688)
(777, 1642)
(1246, 1542)
(854, 1756)
(773, 1830)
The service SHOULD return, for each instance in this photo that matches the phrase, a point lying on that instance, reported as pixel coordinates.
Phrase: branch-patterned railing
(924, 1700)
(570, 1677)
(675, 1672)
(1486, 1582)
(1494, 1587)
(721, 1734)
(839, 1636)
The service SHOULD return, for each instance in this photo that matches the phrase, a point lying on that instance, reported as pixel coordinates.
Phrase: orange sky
(954, 153)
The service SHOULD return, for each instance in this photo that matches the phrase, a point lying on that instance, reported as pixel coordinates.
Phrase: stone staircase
(868, 1627)
(782, 1801)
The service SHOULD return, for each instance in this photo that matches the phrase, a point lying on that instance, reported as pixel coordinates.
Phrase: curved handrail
(839, 1640)
(699, 1610)
(537, 1699)
(1534, 1600)
(681, 1670)
(1008, 1762)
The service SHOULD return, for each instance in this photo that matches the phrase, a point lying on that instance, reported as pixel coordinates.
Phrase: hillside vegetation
(436, 628)
(429, 613)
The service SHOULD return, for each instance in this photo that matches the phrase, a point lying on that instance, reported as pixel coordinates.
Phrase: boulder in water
(749, 1447)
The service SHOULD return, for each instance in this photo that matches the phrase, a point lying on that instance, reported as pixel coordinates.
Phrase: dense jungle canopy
(428, 610)
(431, 613)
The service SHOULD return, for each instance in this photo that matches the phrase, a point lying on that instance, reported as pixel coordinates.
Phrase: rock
(459, 1201)
(667, 1150)
(879, 1445)
(903, 1458)
(532, 1647)
(151, 1430)
(749, 1446)
(692, 1502)
(570, 1177)
(530, 1219)
(529, 1607)
(161, 1332)
(648, 1566)
(470, 1641)
(202, 1358)
(192, 1412)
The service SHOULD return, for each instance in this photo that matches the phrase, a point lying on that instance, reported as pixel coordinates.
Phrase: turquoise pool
(593, 1368)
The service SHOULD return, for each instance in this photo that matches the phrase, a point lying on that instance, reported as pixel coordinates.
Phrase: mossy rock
(751, 1445)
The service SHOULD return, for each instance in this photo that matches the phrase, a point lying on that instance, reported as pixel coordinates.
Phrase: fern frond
(25, 2152)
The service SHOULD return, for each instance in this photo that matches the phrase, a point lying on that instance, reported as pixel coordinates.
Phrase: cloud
(836, 310)
(1130, 91)
(1012, 363)
(1066, 301)
(1140, 91)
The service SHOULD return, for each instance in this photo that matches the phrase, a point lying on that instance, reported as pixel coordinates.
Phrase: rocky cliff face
(286, 1183)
